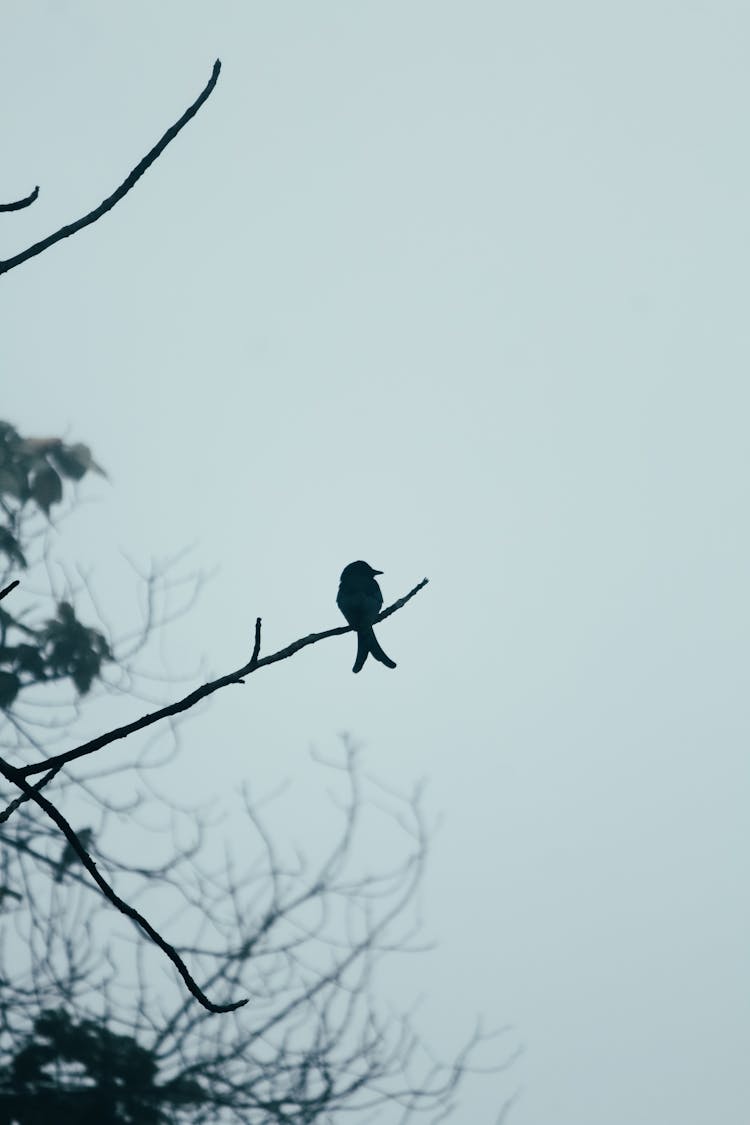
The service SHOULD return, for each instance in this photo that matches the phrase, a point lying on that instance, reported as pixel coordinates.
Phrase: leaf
(13, 481)
(74, 461)
(83, 454)
(8, 433)
(9, 687)
(9, 546)
(46, 488)
(74, 650)
(29, 659)
(67, 614)
(71, 461)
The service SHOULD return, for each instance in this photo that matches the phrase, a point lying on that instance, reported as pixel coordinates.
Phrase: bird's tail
(368, 642)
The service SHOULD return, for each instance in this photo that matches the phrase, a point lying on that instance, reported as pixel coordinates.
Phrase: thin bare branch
(9, 587)
(23, 797)
(256, 645)
(19, 204)
(13, 775)
(203, 691)
(108, 203)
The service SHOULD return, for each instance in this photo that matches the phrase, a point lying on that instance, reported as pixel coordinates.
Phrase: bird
(360, 600)
(69, 855)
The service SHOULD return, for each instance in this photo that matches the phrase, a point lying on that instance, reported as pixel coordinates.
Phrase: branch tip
(10, 773)
(19, 204)
(56, 761)
(256, 644)
(129, 181)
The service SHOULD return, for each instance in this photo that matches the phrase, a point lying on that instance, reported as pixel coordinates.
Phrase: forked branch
(32, 793)
(238, 677)
(51, 766)
(108, 203)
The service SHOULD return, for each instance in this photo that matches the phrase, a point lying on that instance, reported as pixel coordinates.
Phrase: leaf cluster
(68, 1070)
(32, 471)
(62, 648)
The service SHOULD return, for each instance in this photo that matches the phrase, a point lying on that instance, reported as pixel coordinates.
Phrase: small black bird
(360, 600)
(70, 856)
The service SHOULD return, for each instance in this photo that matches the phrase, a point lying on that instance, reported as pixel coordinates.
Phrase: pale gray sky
(460, 289)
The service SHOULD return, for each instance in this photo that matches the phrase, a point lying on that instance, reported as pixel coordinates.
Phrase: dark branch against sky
(19, 204)
(108, 203)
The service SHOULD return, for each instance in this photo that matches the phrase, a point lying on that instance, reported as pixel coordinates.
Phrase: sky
(460, 290)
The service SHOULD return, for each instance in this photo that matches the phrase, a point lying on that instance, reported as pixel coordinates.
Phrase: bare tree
(301, 935)
(304, 937)
(84, 1034)
(63, 647)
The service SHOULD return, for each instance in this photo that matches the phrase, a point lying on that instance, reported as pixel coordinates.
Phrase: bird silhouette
(360, 600)
(69, 855)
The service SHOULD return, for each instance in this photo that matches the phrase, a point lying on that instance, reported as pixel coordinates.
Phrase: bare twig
(19, 204)
(108, 203)
(20, 800)
(302, 939)
(203, 691)
(256, 644)
(32, 793)
(8, 588)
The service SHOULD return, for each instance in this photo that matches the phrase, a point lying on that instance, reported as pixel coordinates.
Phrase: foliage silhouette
(302, 937)
(91, 1030)
(81, 1073)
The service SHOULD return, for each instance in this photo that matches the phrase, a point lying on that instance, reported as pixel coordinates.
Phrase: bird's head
(359, 569)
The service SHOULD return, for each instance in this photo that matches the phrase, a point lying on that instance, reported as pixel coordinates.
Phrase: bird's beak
(377, 572)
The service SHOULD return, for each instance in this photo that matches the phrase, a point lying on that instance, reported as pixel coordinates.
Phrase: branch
(28, 796)
(125, 186)
(203, 691)
(19, 204)
(32, 793)
(10, 587)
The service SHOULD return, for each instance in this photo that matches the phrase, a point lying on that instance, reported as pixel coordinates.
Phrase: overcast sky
(459, 289)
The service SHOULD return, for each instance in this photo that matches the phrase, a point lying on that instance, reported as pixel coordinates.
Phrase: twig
(10, 587)
(19, 204)
(123, 189)
(8, 812)
(32, 793)
(256, 643)
(203, 691)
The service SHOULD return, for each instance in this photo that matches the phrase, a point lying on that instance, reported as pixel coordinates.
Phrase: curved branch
(203, 691)
(32, 793)
(108, 203)
(19, 204)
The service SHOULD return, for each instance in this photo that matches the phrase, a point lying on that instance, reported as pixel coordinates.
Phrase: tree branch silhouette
(51, 767)
(202, 692)
(32, 793)
(108, 203)
(19, 204)
(28, 795)
(303, 933)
